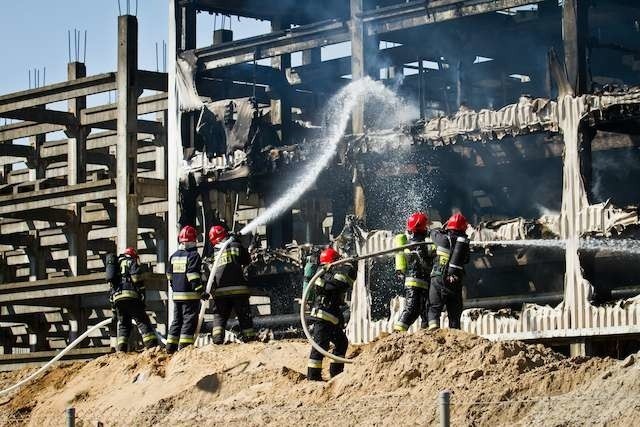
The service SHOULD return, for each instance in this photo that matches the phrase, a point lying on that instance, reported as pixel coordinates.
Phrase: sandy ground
(395, 381)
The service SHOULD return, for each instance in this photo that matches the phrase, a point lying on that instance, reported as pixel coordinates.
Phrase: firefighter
(231, 287)
(127, 296)
(184, 275)
(414, 267)
(327, 314)
(452, 254)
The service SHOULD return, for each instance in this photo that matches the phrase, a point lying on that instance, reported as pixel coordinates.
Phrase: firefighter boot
(336, 369)
(314, 374)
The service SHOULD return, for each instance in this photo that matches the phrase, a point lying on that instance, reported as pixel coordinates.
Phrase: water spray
(338, 114)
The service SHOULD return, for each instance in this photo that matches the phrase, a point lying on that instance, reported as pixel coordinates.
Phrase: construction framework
(494, 82)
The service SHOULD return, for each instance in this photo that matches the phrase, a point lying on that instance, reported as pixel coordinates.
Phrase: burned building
(524, 118)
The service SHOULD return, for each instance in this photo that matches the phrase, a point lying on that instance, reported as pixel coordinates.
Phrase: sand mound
(395, 382)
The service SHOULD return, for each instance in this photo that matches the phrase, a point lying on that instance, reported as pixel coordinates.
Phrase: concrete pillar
(581, 347)
(77, 233)
(281, 106)
(127, 145)
(78, 320)
(575, 35)
(363, 51)
(222, 36)
(37, 259)
(77, 143)
(37, 330)
(37, 166)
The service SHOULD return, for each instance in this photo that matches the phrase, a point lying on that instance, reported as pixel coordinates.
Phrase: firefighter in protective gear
(231, 287)
(452, 253)
(327, 314)
(128, 297)
(184, 274)
(414, 266)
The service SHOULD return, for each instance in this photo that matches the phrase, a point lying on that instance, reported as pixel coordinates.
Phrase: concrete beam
(152, 188)
(153, 80)
(25, 129)
(58, 92)
(41, 115)
(90, 191)
(375, 22)
(127, 127)
(97, 116)
(77, 146)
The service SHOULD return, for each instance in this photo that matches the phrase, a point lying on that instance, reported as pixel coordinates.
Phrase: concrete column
(581, 347)
(78, 318)
(363, 50)
(77, 234)
(37, 330)
(281, 106)
(77, 143)
(37, 167)
(127, 145)
(37, 259)
(575, 35)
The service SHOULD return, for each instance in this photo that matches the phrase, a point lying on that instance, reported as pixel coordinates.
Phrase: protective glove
(205, 296)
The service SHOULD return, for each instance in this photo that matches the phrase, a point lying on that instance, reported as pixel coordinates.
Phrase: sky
(34, 35)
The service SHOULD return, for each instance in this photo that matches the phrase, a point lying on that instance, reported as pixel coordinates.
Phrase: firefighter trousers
(417, 300)
(222, 308)
(441, 295)
(324, 333)
(183, 327)
(133, 309)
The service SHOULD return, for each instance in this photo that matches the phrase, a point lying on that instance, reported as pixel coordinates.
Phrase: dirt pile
(394, 382)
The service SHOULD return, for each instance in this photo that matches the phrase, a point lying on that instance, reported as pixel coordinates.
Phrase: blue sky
(34, 35)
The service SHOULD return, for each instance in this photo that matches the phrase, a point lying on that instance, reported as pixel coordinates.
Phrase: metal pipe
(445, 400)
(71, 417)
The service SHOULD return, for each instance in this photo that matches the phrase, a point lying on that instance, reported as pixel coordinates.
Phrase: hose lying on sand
(58, 356)
(328, 267)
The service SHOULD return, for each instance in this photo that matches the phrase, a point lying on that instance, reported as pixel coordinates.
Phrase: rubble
(395, 377)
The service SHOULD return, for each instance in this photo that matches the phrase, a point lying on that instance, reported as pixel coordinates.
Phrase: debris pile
(398, 377)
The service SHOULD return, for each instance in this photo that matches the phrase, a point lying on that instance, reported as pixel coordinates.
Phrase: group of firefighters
(431, 267)
(185, 278)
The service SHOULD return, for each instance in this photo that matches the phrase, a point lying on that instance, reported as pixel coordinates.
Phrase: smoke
(611, 172)
(386, 107)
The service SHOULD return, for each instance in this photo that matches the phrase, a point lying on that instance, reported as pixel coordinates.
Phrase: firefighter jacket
(446, 242)
(184, 274)
(331, 289)
(415, 263)
(129, 285)
(229, 277)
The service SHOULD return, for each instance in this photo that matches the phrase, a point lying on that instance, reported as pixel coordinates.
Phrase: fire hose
(328, 267)
(58, 356)
(212, 274)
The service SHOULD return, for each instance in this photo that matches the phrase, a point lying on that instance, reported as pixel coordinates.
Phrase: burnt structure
(526, 123)
(507, 91)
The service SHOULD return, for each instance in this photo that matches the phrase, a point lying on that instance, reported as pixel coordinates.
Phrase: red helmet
(417, 222)
(457, 222)
(131, 252)
(329, 255)
(217, 233)
(188, 234)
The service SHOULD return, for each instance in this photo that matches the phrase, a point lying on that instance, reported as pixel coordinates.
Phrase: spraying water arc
(337, 116)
